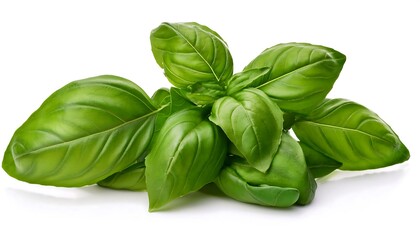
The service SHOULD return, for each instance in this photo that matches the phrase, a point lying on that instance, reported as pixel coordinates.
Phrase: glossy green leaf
(188, 153)
(288, 170)
(83, 133)
(161, 97)
(319, 164)
(190, 53)
(253, 123)
(203, 93)
(301, 74)
(174, 103)
(230, 183)
(132, 178)
(351, 134)
(247, 79)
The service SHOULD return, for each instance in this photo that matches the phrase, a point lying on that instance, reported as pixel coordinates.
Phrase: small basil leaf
(83, 133)
(190, 53)
(287, 170)
(301, 74)
(247, 79)
(253, 123)
(351, 134)
(319, 164)
(132, 178)
(161, 97)
(203, 93)
(175, 103)
(188, 153)
(178, 101)
(230, 183)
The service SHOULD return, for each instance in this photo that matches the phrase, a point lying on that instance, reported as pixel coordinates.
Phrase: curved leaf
(172, 104)
(230, 183)
(161, 97)
(83, 133)
(301, 74)
(253, 123)
(351, 134)
(288, 170)
(191, 53)
(188, 153)
(132, 178)
(319, 164)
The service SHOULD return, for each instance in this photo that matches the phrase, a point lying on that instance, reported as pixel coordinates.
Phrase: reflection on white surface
(338, 185)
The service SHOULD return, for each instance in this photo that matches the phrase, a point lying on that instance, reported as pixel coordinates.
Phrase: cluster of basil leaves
(212, 126)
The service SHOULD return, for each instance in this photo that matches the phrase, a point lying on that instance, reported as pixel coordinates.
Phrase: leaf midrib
(87, 136)
(297, 69)
(195, 49)
(345, 129)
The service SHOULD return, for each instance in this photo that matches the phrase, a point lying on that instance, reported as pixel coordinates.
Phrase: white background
(46, 44)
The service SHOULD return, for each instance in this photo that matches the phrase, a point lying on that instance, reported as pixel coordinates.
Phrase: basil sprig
(211, 126)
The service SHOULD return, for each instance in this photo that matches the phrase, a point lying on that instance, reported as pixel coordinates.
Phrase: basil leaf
(83, 133)
(287, 170)
(301, 74)
(253, 123)
(319, 164)
(190, 53)
(230, 183)
(203, 93)
(161, 97)
(351, 134)
(132, 178)
(175, 103)
(188, 153)
(247, 79)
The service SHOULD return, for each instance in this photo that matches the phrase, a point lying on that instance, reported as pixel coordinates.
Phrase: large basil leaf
(132, 178)
(301, 74)
(319, 164)
(253, 123)
(287, 170)
(234, 186)
(190, 54)
(83, 133)
(351, 134)
(188, 153)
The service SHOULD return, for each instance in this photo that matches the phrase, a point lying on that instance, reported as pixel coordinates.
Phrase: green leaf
(301, 74)
(188, 153)
(287, 170)
(204, 93)
(173, 103)
(351, 134)
(319, 164)
(253, 123)
(83, 133)
(161, 97)
(230, 183)
(247, 79)
(190, 53)
(132, 178)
